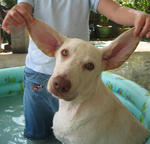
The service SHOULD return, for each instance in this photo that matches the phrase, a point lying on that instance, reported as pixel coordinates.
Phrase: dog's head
(79, 63)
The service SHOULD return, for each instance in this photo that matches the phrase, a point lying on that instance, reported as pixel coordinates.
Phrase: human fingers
(15, 15)
(146, 27)
(148, 35)
(8, 21)
(27, 16)
(12, 18)
(139, 23)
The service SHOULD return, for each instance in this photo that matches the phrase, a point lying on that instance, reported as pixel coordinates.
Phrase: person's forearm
(116, 13)
(126, 16)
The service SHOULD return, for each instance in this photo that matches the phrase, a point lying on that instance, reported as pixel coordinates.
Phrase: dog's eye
(89, 66)
(65, 52)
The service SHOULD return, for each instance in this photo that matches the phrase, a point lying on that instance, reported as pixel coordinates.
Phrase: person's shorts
(39, 105)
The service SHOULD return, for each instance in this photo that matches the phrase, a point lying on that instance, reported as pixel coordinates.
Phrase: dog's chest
(70, 131)
(61, 124)
(92, 129)
(63, 127)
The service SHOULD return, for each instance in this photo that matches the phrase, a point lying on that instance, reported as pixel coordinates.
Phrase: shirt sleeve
(94, 5)
(31, 2)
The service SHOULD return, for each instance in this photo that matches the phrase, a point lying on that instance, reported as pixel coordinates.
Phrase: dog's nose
(61, 84)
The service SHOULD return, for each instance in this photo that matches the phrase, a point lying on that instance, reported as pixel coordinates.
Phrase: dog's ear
(119, 50)
(45, 38)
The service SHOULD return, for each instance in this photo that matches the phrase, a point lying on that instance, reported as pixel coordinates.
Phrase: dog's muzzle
(61, 85)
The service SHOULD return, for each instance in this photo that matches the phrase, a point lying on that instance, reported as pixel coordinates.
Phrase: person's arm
(15, 16)
(126, 16)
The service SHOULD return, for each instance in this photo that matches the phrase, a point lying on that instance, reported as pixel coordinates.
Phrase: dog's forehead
(80, 46)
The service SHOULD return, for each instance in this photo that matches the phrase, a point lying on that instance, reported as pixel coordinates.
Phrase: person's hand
(16, 17)
(142, 24)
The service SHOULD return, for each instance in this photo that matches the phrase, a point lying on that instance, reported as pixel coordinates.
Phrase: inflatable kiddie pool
(11, 81)
(132, 95)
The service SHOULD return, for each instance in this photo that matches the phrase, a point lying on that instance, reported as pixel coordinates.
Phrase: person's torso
(68, 17)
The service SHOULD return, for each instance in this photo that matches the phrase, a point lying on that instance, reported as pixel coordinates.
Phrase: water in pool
(12, 121)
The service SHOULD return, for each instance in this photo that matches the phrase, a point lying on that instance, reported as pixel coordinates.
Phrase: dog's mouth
(60, 95)
(56, 93)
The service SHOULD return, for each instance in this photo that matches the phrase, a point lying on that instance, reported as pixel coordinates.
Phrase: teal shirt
(69, 17)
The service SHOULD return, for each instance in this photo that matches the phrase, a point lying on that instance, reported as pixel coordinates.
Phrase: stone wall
(19, 40)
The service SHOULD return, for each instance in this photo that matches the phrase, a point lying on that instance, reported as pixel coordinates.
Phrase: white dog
(89, 113)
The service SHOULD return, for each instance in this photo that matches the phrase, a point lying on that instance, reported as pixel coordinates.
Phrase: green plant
(6, 5)
(104, 20)
(126, 3)
(9, 3)
(142, 5)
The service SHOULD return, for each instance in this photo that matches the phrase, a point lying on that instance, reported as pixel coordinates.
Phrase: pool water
(12, 122)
